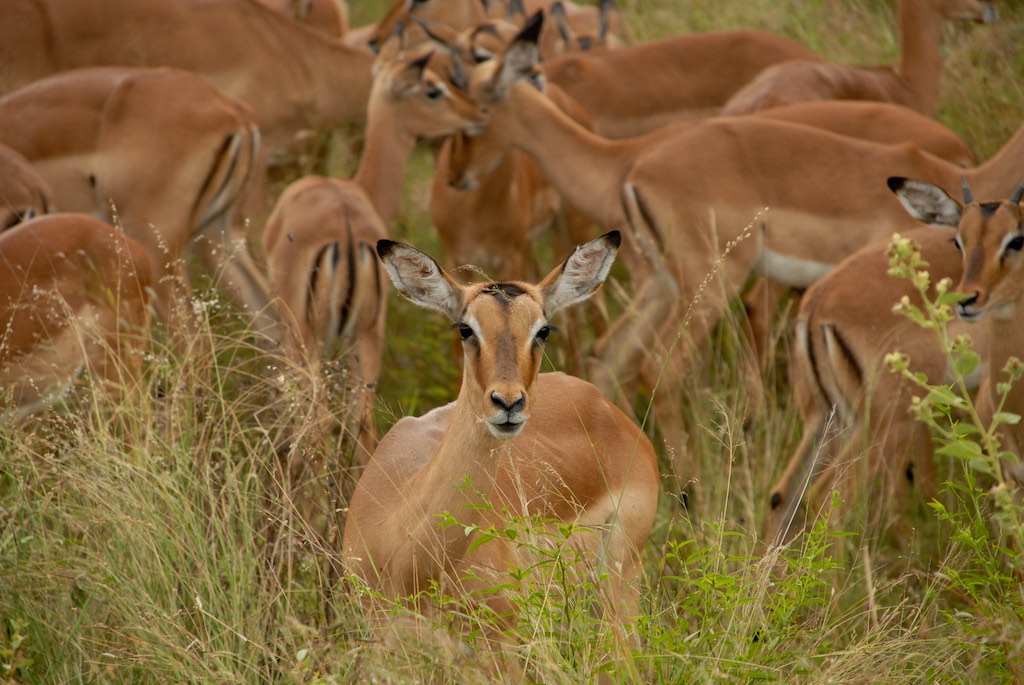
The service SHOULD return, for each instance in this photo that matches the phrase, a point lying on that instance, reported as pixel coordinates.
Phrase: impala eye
(543, 333)
(1016, 244)
(435, 92)
(465, 332)
(958, 243)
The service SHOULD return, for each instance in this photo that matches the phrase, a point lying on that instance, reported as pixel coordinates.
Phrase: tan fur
(857, 427)
(329, 16)
(319, 238)
(295, 78)
(685, 193)
(160, 152)
(73, 296)
(913, 83)
(992, 279)
(638, 88)
(576, 459)
(23, 192)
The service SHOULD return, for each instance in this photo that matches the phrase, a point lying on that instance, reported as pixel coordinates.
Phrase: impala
(73, 297)
(492, 221)
(686, 193)
(913, 83)
(638, 88)
(990, 238)
(852, 407)
(592, 24)
(320, 237)
(879, 122)
(23, 192)
(295, 78)
(160, 152)
(514, 444)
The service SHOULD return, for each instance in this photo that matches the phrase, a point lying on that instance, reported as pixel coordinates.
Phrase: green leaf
(961, 449)
(1007, 418)
(940, 394)
(966, 363)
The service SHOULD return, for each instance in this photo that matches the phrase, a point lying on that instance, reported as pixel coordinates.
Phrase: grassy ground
(154, 541)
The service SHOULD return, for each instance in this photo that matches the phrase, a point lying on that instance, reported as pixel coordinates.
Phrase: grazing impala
(320, 238)
(73, 297)
(514, 444)
(914, 83)
(684, 194)
(851, 405)
(23, 192)
(160, 152)
(637, 89)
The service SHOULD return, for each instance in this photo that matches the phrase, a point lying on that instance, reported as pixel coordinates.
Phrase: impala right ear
(926, 202)
(519, 59)
(420, 279)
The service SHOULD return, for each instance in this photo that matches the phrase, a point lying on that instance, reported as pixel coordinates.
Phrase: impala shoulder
(410, 442)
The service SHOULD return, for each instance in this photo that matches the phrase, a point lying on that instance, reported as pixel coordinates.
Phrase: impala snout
(509, 417)
(970, 309)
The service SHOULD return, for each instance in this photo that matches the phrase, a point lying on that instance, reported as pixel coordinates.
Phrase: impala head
(503, 326)
(990, 237)
(411, 89)
(575, 41)
(473, 157)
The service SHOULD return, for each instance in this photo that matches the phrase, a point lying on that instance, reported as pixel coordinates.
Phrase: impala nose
(965, 307)
(510, 406)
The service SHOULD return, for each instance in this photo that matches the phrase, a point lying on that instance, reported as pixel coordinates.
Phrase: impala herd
(124, 149)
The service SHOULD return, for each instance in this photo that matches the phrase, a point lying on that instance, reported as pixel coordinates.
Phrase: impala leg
(225, 254)
(618, 355)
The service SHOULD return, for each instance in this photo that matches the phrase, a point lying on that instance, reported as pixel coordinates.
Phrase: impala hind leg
(224, 251)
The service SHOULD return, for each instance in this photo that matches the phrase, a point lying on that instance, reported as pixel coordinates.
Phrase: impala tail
(228, 178)
(345, 292)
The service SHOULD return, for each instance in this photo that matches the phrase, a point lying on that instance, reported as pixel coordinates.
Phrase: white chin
(506, 431)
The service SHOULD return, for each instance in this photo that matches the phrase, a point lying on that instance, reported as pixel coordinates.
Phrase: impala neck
(459, 475)
(921, 54)
(1003, 171)
(1006, 333)
(585, 168)
(342, 78)
(381, 169)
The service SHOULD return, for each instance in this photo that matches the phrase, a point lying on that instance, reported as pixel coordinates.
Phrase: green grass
(156, 540)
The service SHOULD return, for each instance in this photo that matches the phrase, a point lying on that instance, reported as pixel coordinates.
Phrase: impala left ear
(420, 279)
(926, 202)
(579, 276)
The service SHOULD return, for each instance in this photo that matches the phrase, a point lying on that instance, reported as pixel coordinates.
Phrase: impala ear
(926, 202)
(581, 274)
(420, 279)
(411, 74)
(557, 10)
(519, 59)
(608, 9)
